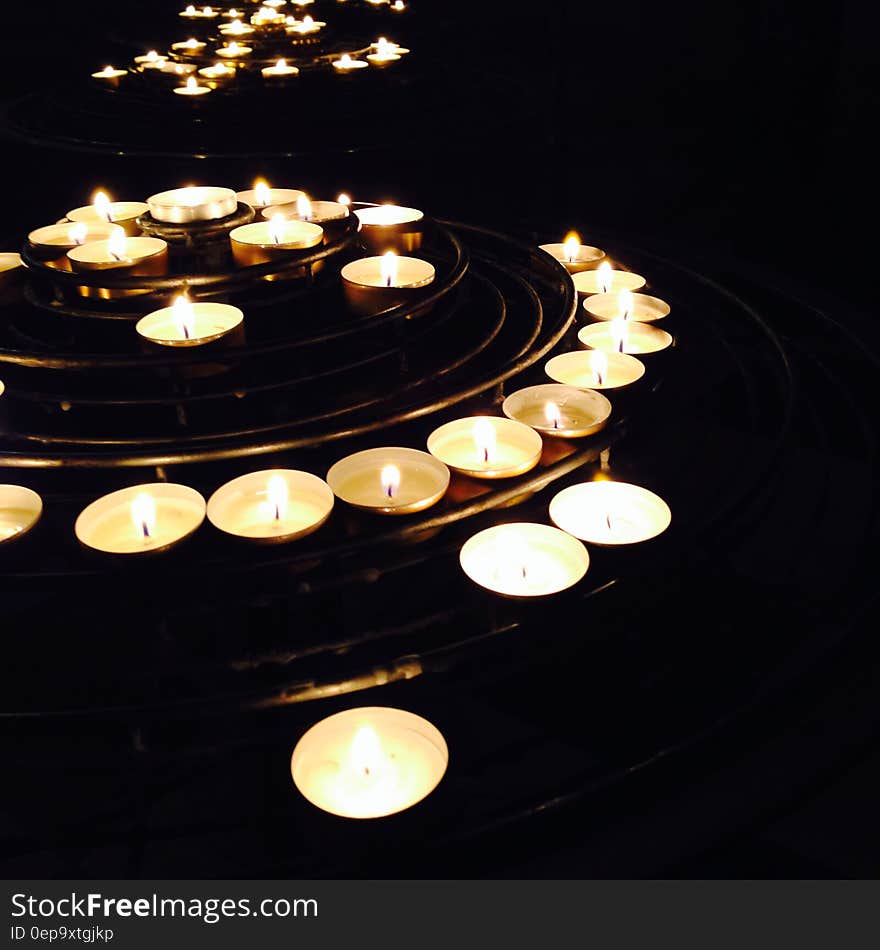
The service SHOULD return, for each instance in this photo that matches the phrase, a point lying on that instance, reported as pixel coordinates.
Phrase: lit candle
(192, 45)
(192, 88)
(261, 196)
(524, 560)
(383, 53)
(150, 60)
(20, 510)
(194, 203)
(236, 28)
(398, 6)
(217, 71)
(640, 307)
(141, 518)
(306, 26)
(171, 68)
(304, 209)
(391, 227)
(234, 51)
(574, 256)
(191, 13)
(189, 324)
(624, 336)
(606, 280)
(389, 481)
(273, 240)
(374, 284)
(104, 211)
(595, 369)
(345, 64)
(55, 240)
(110, 76)
(280, 69)
(277, 505)
(610, 513)
(559, 410)
(141, 256)
(486, 446)
(369, 762)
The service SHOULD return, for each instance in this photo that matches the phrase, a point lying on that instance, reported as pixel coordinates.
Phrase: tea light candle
(55, 240)
(574, 256)
(189, 324)
(176, 69)
(595, 369)
(104, 211)
(524, 560)
(559, 410)
(192, 88)
(236, 28)
(273, 240)
(262, 196)
(389, 481)
(234, 51)
(141, 518)
(486, 446)
(303, 209)
(391, 227)
(150, 60)
(606, 280)
(610, 513)
(191, 13)
(217, 71)
(345, 64)
(192, 45)
(640, 307)
(139, 255)
(110, 76)
(389, 46)
(624, 336)
(276, 505)
(20, 510)
(373, 284)
(369, 762)
(398, 6)
(383, 55)
(306, 26)
(186, 205)
(280, 69)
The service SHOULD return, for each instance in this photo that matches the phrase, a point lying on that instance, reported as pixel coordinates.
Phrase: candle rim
(351, 465)
(645, 495)
(575, 357)
(312, 233)
(596, 405)
(157, 317)
(27, 494)
(595, 301)
(76, 253)
(347, 273)
(645, 330)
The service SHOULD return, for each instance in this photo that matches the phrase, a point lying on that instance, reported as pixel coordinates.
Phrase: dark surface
(728, 139)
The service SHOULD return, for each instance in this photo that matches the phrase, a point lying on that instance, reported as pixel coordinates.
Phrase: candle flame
(192, 43)
(276, 227)
(389, 268)
(307, 22)
(77, 233)
(278, 494)
(263, 193)
(572, 246)
(620, 334)
(184, 317)
(554, 416)
(143, 515)
(233, 47)
(207, 11)
(625, 304)
(344, 199)
(152, 56)
(304, 208)
(599, 365)
(398, 5)
(345, 60)
(390, 477)
(101, 204)
(116, 245)
(191, 83)
(281, 64)
(190, 10)
(365, 754)
(485, 439)
(606, 276)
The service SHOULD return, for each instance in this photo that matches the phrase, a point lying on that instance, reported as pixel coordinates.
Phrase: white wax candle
(642, 308)
(486, 446)
(606, 279)
(624, 336)
(595, 369)
(189, 324)
(198, 203)
(610, 513)
(574, 256)
(389, 481)
(559, 410)
(20, 509)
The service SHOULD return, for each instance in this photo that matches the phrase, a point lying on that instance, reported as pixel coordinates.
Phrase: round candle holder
(391, 228)
(125, 214)
(368, 292)
(210, 322)
(256, 244)
(52, 242)
(141, 519)
(271, 507)
(575, 258)
(561, 411)
(595, 369)
(20, 510)
(192, 204)
(369, 762)
(643, 307)
(487, 447)
(606, 281)
(524, 560)
(610, 513)
(635, 337)
(389, 481)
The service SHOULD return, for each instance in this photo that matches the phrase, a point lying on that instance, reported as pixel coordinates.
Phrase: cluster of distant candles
(374, 761)
(237, 47)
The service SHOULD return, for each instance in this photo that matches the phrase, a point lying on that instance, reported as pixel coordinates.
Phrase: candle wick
(556, 422)
(608, 521)
(277, 511)
(366, 770)
(185, 332)
(146, 530)
(524, 572)
(599, 378)
(390, 491)
(486, 455)
(388, 281)
(620, 345)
